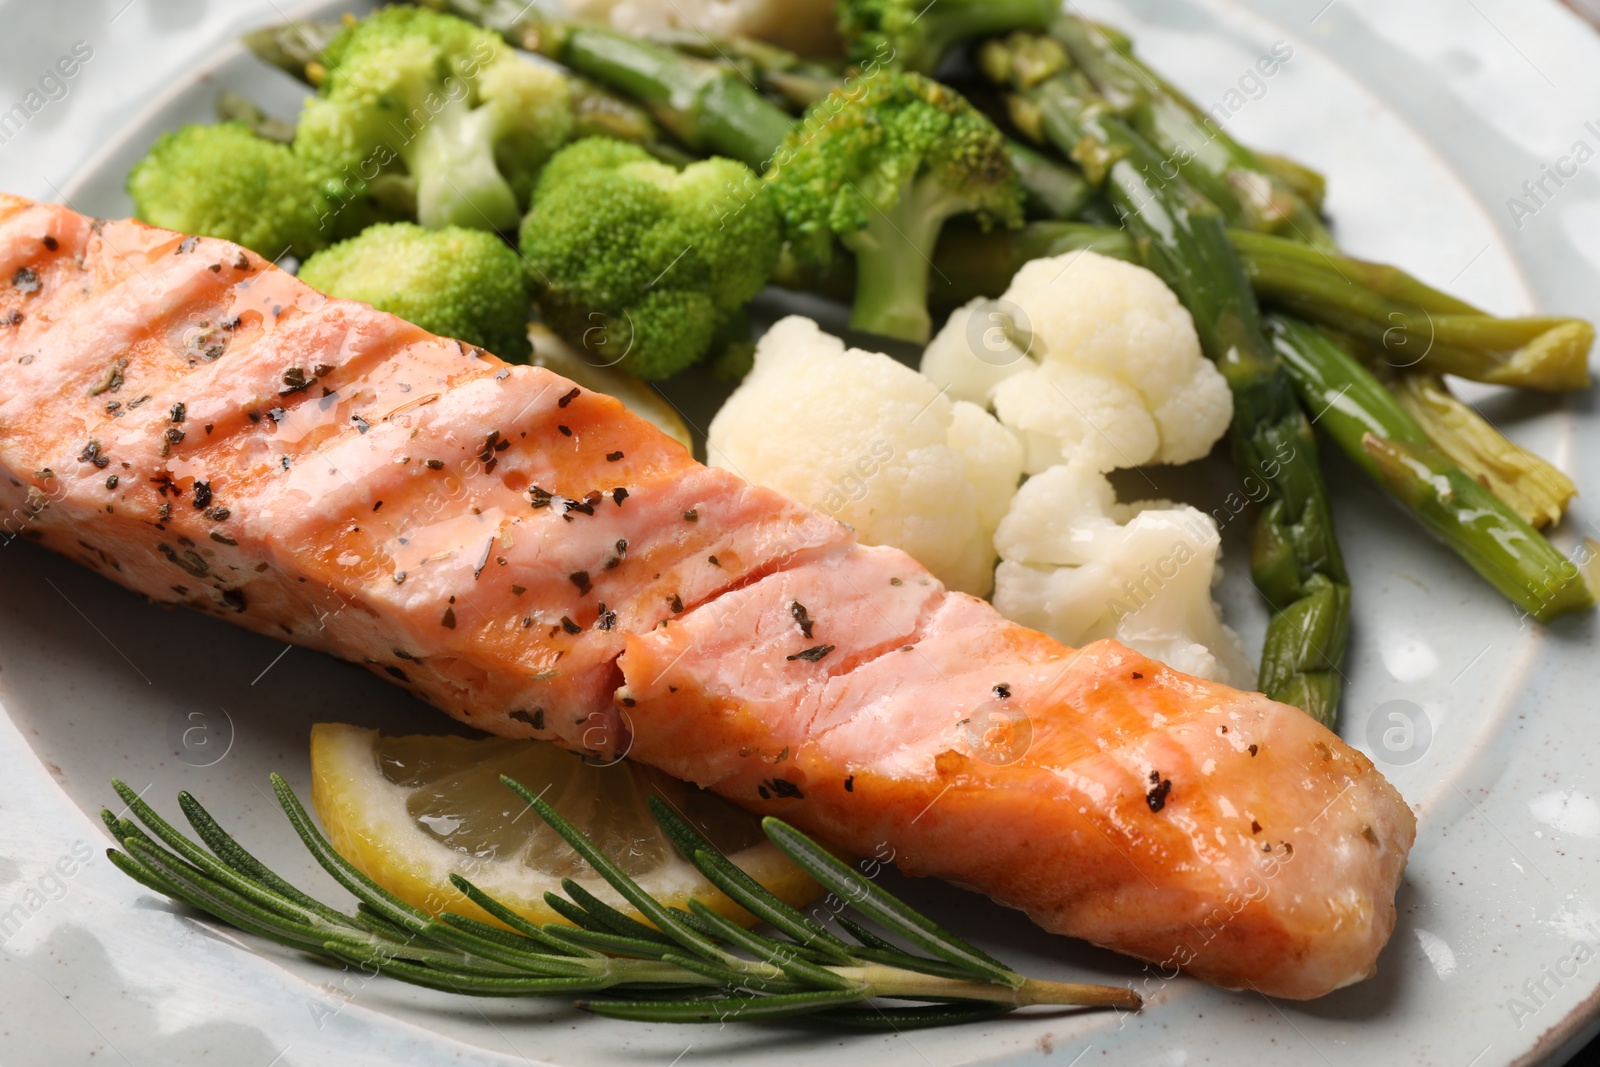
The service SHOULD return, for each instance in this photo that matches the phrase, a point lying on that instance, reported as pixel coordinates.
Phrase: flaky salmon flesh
(526, 555)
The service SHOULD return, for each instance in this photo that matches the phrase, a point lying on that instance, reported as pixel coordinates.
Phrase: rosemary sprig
(682, 966)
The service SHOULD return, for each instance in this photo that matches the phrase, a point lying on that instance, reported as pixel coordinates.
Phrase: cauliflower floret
(1081, 567)
(1090, 359)
(874, 444)
(805, 26)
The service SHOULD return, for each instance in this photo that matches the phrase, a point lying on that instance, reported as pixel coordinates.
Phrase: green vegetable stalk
(1375, 431)
(880, 166)
(1250, 194)
(1180, 235)
(1412, 325)
(707, 106)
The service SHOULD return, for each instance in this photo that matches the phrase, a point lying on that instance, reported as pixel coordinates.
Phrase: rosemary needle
(681, 966)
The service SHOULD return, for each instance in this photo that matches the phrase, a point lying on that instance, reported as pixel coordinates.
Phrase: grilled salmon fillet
(199, 426)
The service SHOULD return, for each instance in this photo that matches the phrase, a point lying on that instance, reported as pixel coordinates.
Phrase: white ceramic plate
(1426, 116)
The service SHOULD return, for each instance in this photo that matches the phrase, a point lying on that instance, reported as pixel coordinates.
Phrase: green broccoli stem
(1391, 446)
(893, 256)
(1295, 559)
(457, 180)
(1250, 193)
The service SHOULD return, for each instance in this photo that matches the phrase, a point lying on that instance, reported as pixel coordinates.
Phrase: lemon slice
(554, 354)
(410, 811)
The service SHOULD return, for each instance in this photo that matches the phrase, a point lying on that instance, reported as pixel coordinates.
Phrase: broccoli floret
(455, 282)
(440, 119)
(643, 264)
(224, 181)
(881, 165)
(915, 34)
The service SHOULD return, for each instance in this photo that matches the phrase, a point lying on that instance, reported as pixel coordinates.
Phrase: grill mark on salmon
(202, 428)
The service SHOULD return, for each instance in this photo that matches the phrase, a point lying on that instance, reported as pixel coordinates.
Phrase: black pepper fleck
(449, 620)
(569, 398)
(692, 515)
(812, 655)
(581, 580)
(26, 280)
(566, 431)
(612, 457)
(570, 626)
(1157, 796)
(801, 618)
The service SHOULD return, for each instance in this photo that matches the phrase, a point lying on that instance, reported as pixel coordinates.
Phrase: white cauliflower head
(1091, 361)
(1081, 567)
(874, 444)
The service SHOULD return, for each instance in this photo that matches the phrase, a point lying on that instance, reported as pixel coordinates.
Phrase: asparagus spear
(1413, 325)
(236, 107)
(1182, 237)
(1533, 488)
(1375, 431)
(778, 72)
(1250, 194)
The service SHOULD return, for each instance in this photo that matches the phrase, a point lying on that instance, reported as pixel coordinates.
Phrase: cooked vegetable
(1081, 567)
(1391, 446)
(454, 123)
(1051, 189)
(455, 282)
(641, 263)
(790, 79)
(686, 967)
(1417, 332)
(1410, 325)
(874, 444)
(916, 34)
(803, 25)
(224, 181)
(1249, 193)
(1295, 559)
(707, 106)
(1091, 361)
(881, 166)
(1535, 489)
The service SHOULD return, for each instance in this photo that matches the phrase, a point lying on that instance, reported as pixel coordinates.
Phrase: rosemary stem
(885, 981)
